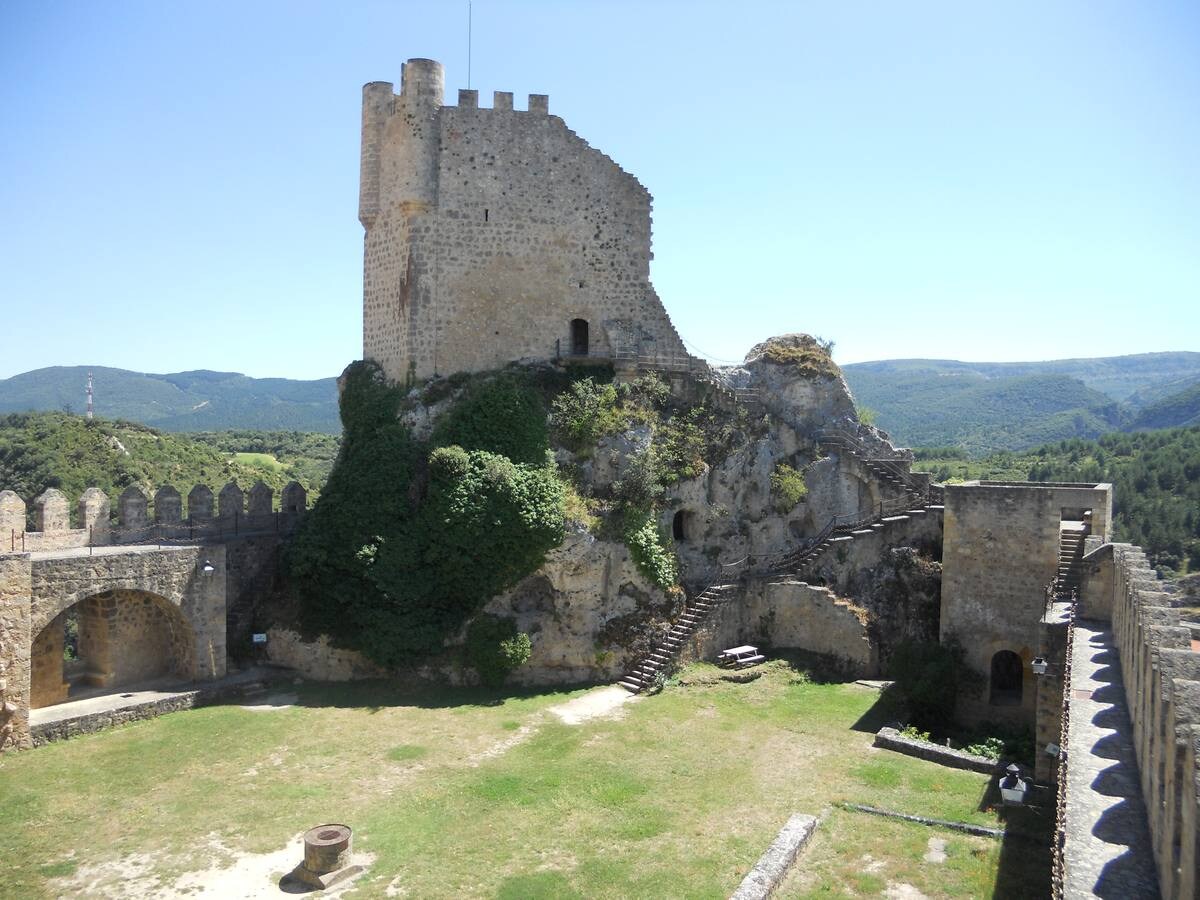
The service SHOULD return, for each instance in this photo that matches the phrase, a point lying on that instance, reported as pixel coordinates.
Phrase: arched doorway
(1007, 679)
(109, 640)
(579, 337)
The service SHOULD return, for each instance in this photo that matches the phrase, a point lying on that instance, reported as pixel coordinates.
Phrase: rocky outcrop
(800, 384)
(588, 612)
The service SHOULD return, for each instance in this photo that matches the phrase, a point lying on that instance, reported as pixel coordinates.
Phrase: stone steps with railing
(895, 471)
(837, 531)
(1065, 585)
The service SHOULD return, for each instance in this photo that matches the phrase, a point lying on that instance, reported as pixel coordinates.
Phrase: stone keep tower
(495, 235)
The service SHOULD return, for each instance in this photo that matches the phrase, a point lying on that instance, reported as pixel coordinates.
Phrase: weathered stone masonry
(143, 609)
(490, 231)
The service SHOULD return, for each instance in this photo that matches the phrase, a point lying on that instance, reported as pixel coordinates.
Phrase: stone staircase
(647, 670)
(698, 369)
(895, 472)
(837, 531)
(1070, 560)
(915, 499)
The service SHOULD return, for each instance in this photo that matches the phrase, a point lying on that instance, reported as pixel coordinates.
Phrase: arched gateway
(135, 614)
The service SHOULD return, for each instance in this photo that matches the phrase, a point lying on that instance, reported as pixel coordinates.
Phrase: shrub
(585, 412)
(787, 486)
(914, 733)
(681, 446)
(990, 747)
(495, 648)
(639, 485)
(645, 544)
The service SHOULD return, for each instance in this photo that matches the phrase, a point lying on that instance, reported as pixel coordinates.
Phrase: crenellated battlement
(46, 523)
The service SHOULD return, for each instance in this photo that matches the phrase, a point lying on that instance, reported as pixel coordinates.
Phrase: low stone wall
(891, 739)
(760, 882)
(68, 728)
(789, 614)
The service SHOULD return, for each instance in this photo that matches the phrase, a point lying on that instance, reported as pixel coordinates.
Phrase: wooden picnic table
(739, 657)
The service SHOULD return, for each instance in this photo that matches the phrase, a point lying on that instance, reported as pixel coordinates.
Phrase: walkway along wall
(1162, 689)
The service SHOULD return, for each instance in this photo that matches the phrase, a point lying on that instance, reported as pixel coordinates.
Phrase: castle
(495, 235)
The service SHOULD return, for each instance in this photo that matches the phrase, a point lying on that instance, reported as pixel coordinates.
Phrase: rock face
(588, 613)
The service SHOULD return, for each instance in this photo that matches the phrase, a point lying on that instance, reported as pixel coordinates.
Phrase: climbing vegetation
(502, 415)
(406, 544)
(645, 542)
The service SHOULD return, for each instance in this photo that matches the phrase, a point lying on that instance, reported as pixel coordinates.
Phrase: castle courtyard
(464, 793)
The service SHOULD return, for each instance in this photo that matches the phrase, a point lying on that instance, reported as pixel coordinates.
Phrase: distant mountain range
(184, 401)
(983, 407)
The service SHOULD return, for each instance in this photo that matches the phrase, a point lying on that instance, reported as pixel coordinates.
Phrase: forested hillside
(1155, 477)
(68, 452)
(183, 401)
(987, 407)
(1180, 408)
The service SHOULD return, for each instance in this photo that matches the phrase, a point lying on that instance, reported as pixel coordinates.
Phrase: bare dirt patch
(253, 876)
(600, 703)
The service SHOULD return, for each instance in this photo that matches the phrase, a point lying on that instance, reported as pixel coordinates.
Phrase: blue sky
(996, 181)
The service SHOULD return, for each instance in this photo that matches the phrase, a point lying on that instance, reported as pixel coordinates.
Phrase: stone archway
(1007, 679)
(123, 637)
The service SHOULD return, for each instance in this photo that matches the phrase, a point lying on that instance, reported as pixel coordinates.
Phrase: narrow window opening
(485, 215)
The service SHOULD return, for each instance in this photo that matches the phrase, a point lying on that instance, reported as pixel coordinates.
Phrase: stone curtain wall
(141, 520)
(1000, 551)
(1162, 685)
(15, 639)
(489, 230)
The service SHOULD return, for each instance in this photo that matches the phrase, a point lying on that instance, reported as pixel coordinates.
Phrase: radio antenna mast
(89, 396)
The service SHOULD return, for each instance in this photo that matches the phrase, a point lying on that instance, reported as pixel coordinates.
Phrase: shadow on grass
(884, 711)
(1024, 866)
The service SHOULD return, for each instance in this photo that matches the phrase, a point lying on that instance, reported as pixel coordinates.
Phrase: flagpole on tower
(468, 44)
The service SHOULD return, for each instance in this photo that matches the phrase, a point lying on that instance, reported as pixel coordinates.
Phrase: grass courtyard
(464, 793)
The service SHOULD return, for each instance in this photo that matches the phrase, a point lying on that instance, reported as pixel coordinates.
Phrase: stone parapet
(142, 520)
